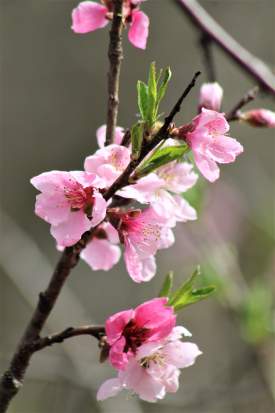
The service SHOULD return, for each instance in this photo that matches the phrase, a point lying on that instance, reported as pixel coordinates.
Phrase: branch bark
(12, 379)
(249, 63)
(234, 113)
(94, 331)
(115, 54)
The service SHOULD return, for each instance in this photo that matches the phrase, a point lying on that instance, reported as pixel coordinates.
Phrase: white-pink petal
(108, 389)
(70, 231)
(181, 354)
(100, 254)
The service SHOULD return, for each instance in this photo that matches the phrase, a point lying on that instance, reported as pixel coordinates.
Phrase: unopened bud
(259, 118)
(210, 96)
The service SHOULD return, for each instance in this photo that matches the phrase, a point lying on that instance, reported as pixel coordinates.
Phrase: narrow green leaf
(186, 287)
(152, 96)
(194, 297)
(164, 84)
(167, 285)
(136, 139)
(162, 157)
(142, 89)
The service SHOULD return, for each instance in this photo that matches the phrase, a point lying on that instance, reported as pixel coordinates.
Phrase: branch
(233, 114)
(12, 379)
(249, 63)
(95, 331)
(115, 54)
(206, 46)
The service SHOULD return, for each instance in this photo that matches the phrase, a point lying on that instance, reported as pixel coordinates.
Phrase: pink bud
(259, 118)
(211, 96)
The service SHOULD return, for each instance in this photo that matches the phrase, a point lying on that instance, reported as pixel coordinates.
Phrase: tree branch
(233, 114)
(95, 331)
(12, 379)
(115, 54)
(249, 63)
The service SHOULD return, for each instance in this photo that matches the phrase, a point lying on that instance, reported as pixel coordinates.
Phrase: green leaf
(186, 287)
(187, 294)
(136, 139)
(167, 285)
(152, 96)
(164, 84)
(194, 297)
(161, 157)
(142, 89)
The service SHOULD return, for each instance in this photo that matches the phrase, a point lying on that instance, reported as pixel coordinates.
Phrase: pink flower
(211, 96)
(141, 233)
(108, 162)
(101, 253)
(70, 202)
(128, 330)
(176, 177)
(209, 143)
(101, 135)
(89, 16)
(259, 117)
(154, 370)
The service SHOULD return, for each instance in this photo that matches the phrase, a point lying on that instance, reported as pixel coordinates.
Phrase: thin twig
(115, 54)
(12, 379)
(249, 63)
(234, 113)
(95, 331)
(206, 46)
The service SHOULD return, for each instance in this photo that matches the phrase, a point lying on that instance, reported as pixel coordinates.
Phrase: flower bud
(259, 118)
(210, 96)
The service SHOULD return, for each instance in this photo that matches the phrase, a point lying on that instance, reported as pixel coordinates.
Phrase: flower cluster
(73, 202)
(146, 349)
(89, 16)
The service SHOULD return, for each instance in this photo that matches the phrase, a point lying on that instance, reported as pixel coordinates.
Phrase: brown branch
(94, 331)
(12, 379)
(234, 113)
(115, 54)
(249, 63)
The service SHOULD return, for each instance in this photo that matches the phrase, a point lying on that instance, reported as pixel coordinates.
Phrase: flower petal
(100, 254)
(70, 231)
(88, 16)
(139, 29)
(108, 389)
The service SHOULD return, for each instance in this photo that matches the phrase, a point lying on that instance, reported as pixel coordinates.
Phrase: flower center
(80, 198)
(134, 336)
(156, 358)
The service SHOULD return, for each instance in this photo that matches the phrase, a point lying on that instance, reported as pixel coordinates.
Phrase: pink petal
(88, 16)
(111, 232)
(117, 356)
(101, 135)
(139, 269)
(116, 323)
(211, 96)
(139, 29)
(184, 211)
(181, 354)
(54, 209)
(225, 149)
(207, 167)
(109, 388)
(157, 316)
(52, 181)
(99, 209)
(70, 231)
(100, 254)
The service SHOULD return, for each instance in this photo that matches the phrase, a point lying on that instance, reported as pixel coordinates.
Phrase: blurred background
(53, 98)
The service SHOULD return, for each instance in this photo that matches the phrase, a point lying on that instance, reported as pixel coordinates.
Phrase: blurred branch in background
(215, 33)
